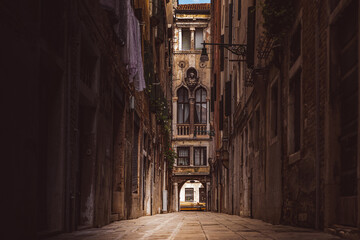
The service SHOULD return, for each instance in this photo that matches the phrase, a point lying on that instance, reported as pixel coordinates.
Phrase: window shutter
(222, 54)
(212, 100)
(214, 85)
(230, 22)
(228, 98)
(250, 37)
(221, 114)
(239, 9)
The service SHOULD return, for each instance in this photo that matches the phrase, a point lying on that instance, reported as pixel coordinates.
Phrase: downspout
(317, 144)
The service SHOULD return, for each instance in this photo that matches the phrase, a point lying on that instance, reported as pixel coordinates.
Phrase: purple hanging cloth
(128, 29)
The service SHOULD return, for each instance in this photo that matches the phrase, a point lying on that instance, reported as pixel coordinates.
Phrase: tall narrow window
(230, 22)
(250, 37)
(183, 156)
(295, 45)
(256, 133)
(274, 110)
(294, 113)
(186, 39)
(183, 106)
(200, 156)
(198, 38)
(228, 98)
(200, 106)
(221, 113)
(222, 56)
(134, 166)
(189, 194)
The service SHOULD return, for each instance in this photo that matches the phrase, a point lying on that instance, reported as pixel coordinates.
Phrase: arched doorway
(192, 196)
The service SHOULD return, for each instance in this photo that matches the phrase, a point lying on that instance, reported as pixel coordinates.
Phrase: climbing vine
(278, 17)
(170, 156)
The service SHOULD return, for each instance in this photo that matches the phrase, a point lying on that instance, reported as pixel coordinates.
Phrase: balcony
(185, 130)
(200, 130)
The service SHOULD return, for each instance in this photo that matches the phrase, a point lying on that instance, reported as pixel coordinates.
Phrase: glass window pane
(203, 97)
(180, 112)
(197, 113)
(203, 113)
(189, 194)
(186, 113)
(183, 152)
(181, 95)
(185, 39)
(197, 156)
(198, 38)
(204, 157)
(198, 95)
(186, 95)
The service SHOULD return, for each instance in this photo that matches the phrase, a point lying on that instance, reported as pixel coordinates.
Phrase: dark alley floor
(195, 225)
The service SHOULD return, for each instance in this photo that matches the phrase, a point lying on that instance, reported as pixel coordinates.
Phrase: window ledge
(294, 157)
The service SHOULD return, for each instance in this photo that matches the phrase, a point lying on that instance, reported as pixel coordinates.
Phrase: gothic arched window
(200, 106)
(183, 106)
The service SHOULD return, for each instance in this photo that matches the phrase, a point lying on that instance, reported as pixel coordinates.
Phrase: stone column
(191, 154)
(192, 108)
(192, 38)
(174, 127)
(208, 115)
(207, 196)
(180, 39)
(175, 202)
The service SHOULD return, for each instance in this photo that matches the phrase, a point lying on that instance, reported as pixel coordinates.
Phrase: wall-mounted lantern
(237, 49)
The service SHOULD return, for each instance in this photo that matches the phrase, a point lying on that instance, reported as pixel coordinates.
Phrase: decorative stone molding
(191, 79)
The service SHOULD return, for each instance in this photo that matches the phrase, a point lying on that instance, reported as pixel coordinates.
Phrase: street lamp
(204, 56)
(237, 49)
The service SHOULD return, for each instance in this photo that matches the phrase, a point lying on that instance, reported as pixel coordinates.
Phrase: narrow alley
(196, 225)
(175, 119)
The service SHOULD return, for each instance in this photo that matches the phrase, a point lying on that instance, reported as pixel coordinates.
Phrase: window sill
(294, 157)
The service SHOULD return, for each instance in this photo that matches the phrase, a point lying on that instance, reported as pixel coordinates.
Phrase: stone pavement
(195, 225)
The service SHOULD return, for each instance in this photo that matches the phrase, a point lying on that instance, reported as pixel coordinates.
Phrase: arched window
(183, 106)
(200, 106)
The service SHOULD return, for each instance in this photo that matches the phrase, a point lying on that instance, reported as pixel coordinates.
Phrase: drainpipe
(317, 145)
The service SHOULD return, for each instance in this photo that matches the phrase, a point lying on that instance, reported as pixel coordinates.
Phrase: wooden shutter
(228, 98)
(212, 100)
(215, 87)
(222, 55)
(250, 37)
(239, 9)
(230, 22)
(221, 114)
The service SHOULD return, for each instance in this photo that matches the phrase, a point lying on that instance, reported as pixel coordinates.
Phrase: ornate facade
(191, 125)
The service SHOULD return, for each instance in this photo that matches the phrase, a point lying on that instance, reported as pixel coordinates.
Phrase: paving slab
(195, 225)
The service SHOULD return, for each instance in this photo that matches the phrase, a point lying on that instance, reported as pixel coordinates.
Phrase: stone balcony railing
(200, 130)
(185, 130)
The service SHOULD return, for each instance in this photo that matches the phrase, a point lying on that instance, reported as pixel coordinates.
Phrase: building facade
(191, 124)
(89, 135)
(286, 113)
